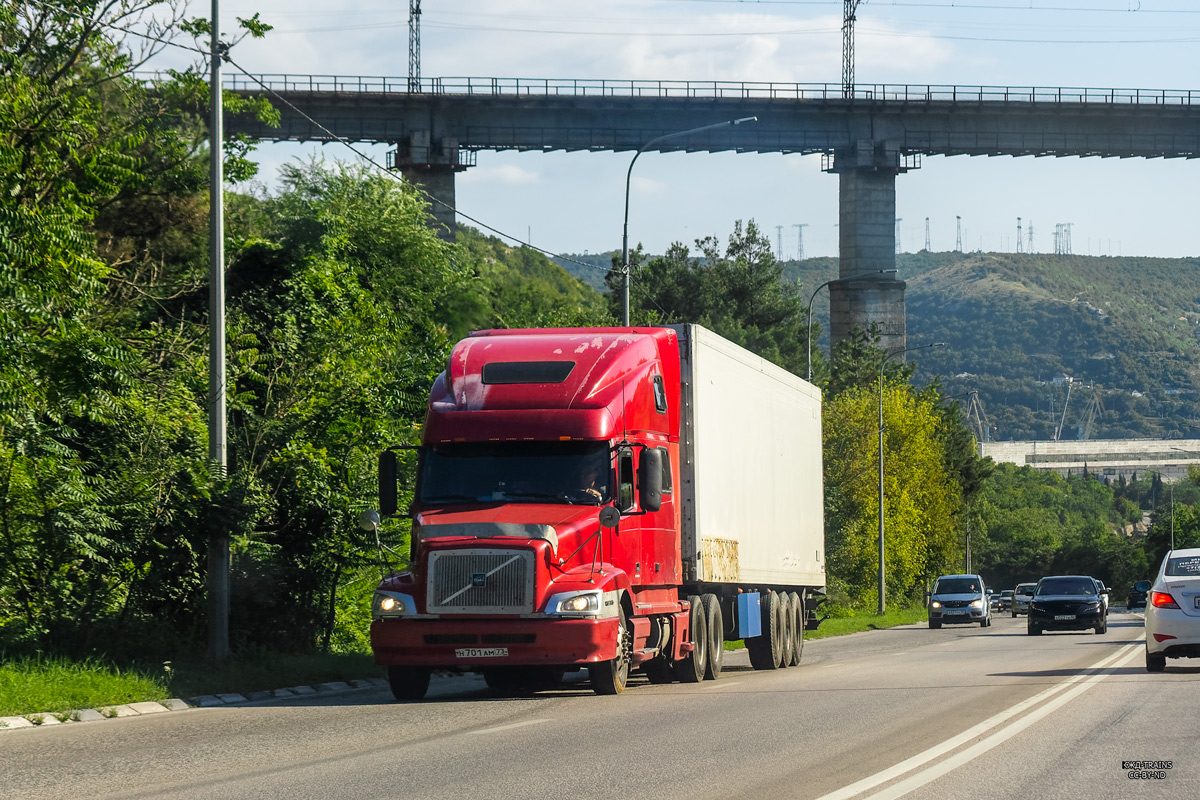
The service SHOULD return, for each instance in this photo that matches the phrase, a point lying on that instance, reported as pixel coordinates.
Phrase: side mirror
(650, 479)
(387, 483)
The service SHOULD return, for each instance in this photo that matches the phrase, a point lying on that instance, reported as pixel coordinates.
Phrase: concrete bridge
(439, 124)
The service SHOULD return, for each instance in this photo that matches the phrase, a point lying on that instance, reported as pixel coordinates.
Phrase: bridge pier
(431, 164)
(867, 244)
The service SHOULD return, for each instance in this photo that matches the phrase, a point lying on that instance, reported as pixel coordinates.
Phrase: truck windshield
(525, 472)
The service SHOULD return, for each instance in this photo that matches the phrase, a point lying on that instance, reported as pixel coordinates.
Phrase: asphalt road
(961, 712)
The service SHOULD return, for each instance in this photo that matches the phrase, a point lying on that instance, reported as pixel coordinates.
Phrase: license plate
(1064, 616)
(956, 611)
(1197, 600)
(481, 652)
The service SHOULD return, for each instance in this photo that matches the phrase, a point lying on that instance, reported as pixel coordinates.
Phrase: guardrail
(725, 90)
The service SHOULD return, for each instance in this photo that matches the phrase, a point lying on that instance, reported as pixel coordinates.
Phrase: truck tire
(409, 683)
(691, 668)
(765, 648)
(610, 677)
(714, 620)
(798, 639)
(787, 630)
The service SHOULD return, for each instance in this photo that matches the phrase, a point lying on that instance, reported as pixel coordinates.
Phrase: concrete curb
(68, 718)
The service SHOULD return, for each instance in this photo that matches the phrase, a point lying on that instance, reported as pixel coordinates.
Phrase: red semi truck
(609, 499)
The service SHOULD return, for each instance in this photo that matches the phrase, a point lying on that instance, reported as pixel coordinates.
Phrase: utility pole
(414, 45)
(1018, 234)
(849, 8)
(927, 248)
(958, 234)
(779, 241)
(218, 536)
(800, 240)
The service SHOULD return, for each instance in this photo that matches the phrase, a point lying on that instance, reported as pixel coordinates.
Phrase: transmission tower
(1058, 235)
(849, 7)
(1031, 236)
(779, 240)
(1018, 234)
(898, 221)
(977, 420)
(927, 234)
(958, 234)
(800, 239)
(414, 45)
(1067, 231)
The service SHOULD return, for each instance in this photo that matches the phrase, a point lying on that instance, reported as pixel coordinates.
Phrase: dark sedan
(1066, 603)
(1137, 595)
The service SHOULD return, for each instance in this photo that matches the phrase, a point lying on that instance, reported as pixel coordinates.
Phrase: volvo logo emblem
(478, 580)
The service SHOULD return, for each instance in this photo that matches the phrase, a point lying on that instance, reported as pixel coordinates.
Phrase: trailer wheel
(787, 629)
(408, 683)
(610, 677)
(798, 639)
(765, 648)
(692, 667)
(714, 620)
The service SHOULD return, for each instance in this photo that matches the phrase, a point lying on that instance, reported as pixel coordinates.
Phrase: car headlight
(389, 605)
(574, 603)
(976, 604)
(935, 604)
(1089, 607)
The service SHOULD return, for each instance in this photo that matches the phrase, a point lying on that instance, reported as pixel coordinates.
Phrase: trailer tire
(765, 648)
(714, 620)
(691, 668)
(787, 630)
(798, 639)
(409, 683)
(610, 677)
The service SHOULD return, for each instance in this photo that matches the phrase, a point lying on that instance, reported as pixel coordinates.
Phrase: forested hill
(1016, 325)
(1125, 329)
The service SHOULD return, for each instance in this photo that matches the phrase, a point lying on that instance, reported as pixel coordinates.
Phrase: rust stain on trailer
(720, 559)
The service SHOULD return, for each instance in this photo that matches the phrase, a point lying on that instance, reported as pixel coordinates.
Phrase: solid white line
(938, 750)
(999, 737)
(507, 727)
(719, 684)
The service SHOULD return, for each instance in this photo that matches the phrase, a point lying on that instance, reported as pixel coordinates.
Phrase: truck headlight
(389, 605)
(574, 604)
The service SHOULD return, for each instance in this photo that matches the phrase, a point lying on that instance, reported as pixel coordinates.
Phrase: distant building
(1112, 457)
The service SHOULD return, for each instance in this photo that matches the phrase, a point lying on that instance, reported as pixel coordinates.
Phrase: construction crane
(977, 420)
(1067, 402)
(1095, 403)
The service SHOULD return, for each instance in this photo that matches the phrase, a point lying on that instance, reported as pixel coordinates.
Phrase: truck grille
(480, 582)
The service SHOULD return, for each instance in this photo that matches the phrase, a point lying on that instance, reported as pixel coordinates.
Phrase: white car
(1173, 610)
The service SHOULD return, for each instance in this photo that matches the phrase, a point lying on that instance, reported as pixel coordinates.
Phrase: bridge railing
(725, 90)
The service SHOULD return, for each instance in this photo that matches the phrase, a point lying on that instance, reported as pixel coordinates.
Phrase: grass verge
(56, 686)
(840, 626)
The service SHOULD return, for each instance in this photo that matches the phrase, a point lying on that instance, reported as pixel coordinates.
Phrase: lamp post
(812, 297)
(882, 363)
(628, 175)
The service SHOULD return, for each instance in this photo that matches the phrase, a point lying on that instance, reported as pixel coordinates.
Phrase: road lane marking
(507, 727)
(1067, 687)
(719, 685)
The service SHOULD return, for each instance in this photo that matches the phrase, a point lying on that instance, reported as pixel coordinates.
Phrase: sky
(574, 202)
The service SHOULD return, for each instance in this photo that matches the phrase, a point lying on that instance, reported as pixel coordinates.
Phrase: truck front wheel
(610, 677)
(408, 683)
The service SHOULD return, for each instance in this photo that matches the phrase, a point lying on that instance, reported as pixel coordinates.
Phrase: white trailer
(752, 490)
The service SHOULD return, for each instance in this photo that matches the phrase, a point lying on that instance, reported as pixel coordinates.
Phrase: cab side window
(666, 478)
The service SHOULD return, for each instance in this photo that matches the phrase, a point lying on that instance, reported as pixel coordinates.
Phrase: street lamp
(882, 363)
(629, 174)
(813, 296)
